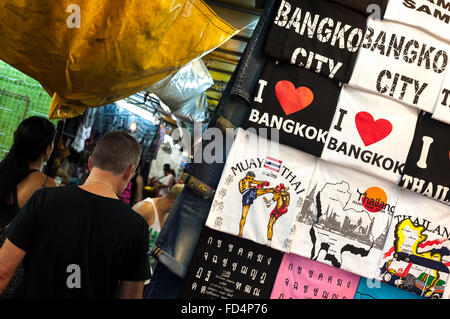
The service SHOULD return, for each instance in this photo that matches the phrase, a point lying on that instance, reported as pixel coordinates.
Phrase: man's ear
(129, 172)
(90, 163)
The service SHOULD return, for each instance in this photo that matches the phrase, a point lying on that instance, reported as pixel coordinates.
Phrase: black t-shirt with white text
(78, 244)
(427, 169)
(318, 35)
(366, 7)
(300, 104)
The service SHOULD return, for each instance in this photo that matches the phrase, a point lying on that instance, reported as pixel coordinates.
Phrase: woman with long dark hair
(20, 170)
(21, 176)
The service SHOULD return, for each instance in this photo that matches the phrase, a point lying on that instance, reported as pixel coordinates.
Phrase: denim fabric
(253, 60)
(180, 234)
(242, 84)
(188, 215)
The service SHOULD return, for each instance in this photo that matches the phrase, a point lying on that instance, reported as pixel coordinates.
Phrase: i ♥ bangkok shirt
(371, 133)
(261, 191)
(318, 35)
(296, 104)
(416, 256)
(402, 63)
(344, 219)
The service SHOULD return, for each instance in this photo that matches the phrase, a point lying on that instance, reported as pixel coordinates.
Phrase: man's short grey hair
(115, 152)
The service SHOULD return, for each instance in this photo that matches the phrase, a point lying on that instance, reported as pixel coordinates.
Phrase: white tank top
(156, 226)
(154, 231)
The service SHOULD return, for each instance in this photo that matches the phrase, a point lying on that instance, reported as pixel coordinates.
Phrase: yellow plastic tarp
(89, 53)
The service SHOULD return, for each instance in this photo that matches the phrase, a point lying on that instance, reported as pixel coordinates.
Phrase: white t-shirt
(371, 133)
(166, 181)
(431, 16)
(344, 219)
(268, 180)
(442, 110)
(402, 63)
(418, 246)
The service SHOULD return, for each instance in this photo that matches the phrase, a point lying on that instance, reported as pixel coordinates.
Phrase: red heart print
(291, 99)
(372, 131)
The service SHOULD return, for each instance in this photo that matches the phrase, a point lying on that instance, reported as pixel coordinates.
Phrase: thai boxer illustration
(282, 198)
(250, 189)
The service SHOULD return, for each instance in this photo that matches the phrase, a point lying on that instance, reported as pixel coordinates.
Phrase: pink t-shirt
(302, 278)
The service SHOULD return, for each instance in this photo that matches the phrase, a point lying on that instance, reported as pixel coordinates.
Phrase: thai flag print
(272, 164)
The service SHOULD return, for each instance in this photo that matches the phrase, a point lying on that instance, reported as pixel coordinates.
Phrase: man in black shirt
(82, 242)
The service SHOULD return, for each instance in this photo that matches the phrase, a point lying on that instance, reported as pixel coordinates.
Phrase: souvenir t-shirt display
(318, 35)
(228, 267)
(371, 133)
(426, 169)
(302, 278)
(365, 6)
(402, 63)
(416, 256)
(375, 289)
(344, 219)
(432, 16)
(261, 190)
(442, 110)
(295, 102)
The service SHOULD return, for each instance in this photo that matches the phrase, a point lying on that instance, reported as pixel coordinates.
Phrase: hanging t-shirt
(344, 219)
(375, 289)
(228, 267)
(302, 278)
(371, 133)
(261, 190)
(416, 256)
(365, 7)
(442, 110)
(426, 169)
(318, 35)
(402, 63)
(296, 102)
(431, 16)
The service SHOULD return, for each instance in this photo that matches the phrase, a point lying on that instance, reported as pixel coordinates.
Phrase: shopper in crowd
(20, 170)
(21, 176)
(82, 242)
(164, 183)
(155, 212)
(137, 188)
(172, 171)
(133, 193)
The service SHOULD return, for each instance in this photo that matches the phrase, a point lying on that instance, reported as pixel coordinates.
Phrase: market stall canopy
(184, 91)
(93, 53)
